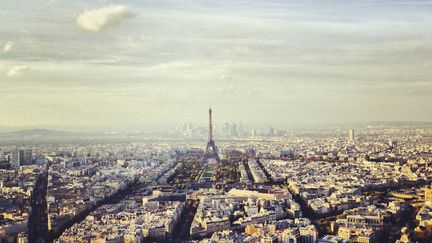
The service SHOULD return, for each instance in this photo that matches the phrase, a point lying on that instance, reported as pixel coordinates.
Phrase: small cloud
(16, 71)
(8, 46)
(100, 18)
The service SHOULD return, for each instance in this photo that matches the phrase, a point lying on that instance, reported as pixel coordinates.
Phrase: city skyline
(132, 62)
(215, 121)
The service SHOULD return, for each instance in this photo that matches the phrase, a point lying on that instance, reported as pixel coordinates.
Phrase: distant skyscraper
(271, 131)
(202, 132)
(21, 157)
(17, 159)
(240, 129)
(226, 129)
(351, 137)
(234, 131)
(187, 130)
(28, 156)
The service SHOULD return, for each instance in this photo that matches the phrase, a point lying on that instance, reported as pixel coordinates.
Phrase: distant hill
(47, 136)
(34, 134)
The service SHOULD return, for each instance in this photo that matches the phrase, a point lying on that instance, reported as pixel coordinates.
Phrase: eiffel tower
(211, 150)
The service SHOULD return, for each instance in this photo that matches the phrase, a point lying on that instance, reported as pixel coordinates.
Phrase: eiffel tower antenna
(210, 125)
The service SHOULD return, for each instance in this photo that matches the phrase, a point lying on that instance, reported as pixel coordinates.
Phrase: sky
(120, 63)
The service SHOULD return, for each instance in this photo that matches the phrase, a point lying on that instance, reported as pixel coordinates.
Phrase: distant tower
(211, 150)
(240, 129)
(226, 129)
(351, 137)
(271, 131)
(234, 129)
(17, 159)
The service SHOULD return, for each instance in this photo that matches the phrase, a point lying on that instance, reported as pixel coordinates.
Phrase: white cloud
(100, 18)
(8, 46)
(16, 71)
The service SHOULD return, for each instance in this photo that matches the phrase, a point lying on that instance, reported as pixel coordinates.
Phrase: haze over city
(122, 63)
(207, 121)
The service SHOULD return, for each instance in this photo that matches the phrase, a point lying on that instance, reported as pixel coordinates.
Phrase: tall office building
(28, 156)
(351, 137)
(17, 159)
(234, 131)
(21, 157)
(240, 130)
(271, 131)
(187, 130)
(184, 128)
(226, 129)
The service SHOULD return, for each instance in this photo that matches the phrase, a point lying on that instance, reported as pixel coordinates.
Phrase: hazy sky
(65, 62)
